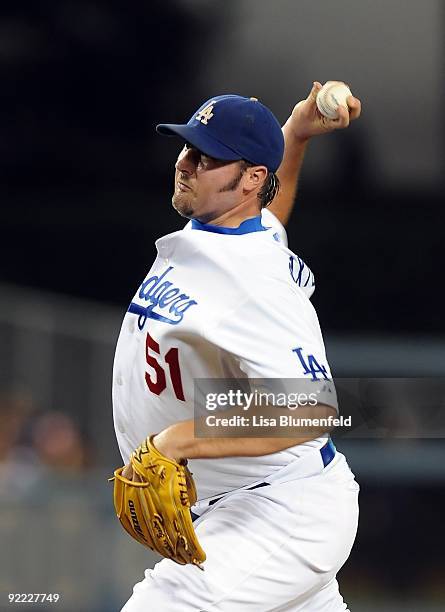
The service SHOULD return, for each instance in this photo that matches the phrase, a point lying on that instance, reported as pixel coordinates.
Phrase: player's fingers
(355, 107)
(316, 86)
(342, 120)
(312, 97)
(308, 106)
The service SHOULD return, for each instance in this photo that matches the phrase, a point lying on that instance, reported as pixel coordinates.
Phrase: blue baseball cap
(232, 127)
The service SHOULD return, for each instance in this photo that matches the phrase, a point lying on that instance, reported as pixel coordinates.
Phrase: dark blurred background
(86, 182)
(85, 189)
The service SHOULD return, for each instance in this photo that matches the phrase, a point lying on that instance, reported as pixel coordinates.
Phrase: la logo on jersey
(206, 113)
(311, 367)
(161, 296)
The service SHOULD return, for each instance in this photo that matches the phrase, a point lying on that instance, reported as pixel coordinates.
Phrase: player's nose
(186, 161)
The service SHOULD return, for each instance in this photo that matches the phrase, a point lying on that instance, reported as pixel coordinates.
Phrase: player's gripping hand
(152, 499)
(307, 121)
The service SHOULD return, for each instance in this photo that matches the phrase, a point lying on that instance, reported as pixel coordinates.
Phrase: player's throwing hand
(307, 121)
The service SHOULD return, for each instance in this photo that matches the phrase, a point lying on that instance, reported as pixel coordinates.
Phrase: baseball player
(226, 298)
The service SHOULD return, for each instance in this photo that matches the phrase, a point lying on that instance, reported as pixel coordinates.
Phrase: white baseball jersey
(217, 303)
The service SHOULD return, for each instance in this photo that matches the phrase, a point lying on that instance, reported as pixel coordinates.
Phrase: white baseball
(332, 95)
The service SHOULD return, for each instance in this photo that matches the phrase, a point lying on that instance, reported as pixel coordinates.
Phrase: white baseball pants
(277, 548)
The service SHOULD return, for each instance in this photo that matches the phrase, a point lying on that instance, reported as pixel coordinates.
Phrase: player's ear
(255, 176)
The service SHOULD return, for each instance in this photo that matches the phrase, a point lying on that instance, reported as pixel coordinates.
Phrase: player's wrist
(300, 133)
(165, 443)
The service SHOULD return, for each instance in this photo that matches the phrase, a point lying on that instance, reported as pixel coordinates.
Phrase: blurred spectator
(18, 471)
(58, 443)
(15, 410)
(36, 446)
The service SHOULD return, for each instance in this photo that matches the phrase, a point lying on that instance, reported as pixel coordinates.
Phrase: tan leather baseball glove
(155, 508)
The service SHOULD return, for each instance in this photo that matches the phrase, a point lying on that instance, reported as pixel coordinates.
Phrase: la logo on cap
(206, 113)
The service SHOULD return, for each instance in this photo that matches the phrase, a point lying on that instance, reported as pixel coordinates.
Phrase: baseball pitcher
(247, 522)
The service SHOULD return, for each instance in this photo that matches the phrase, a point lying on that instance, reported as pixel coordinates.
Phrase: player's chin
(182, 205)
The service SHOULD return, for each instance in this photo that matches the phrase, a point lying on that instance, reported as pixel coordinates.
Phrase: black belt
(327, 453)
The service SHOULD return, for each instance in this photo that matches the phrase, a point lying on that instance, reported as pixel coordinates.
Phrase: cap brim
(199, 139)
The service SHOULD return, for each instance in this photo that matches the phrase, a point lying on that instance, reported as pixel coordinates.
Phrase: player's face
(205, 187)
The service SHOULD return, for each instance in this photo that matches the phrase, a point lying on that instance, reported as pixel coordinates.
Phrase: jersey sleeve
(276, 340)
(268, 219)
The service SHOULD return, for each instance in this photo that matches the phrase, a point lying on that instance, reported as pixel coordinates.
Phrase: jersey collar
(246, 227)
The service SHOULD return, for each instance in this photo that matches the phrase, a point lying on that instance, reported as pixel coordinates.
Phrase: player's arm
(304, 123)
(178, 441)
